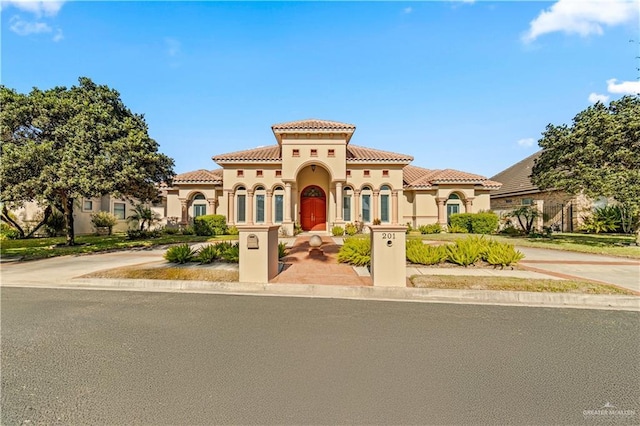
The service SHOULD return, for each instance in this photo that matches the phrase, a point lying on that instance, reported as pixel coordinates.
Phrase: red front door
(313, 209)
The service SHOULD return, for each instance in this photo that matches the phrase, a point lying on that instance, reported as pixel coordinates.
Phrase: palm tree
(143, 215)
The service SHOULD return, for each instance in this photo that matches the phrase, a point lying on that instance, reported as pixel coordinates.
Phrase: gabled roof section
(360, 154)
(200, 176)
(269, 154)
(517, 178)
(420, 178)
(312, 125)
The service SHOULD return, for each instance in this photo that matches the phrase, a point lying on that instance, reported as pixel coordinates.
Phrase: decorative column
(339, 202)
(442, 211)
(230, 214)
(376, 202)
(468, 205)
(269, 207)
(249, 218)
(287, 202)
(394, 207)
(356, 196)
(212, 205)
(185, 213)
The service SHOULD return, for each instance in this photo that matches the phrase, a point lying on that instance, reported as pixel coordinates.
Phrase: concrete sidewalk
(67, 272)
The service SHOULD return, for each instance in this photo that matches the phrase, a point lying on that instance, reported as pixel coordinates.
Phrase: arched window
(347, 194)
(199, 205)
(241, 203)
(278, 204)
(260, 193)
(366, 204)
(385, 192)
(453, 205)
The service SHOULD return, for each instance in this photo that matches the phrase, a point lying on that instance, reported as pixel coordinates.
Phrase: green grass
(39, 248)
(608, 244)
(514, 284)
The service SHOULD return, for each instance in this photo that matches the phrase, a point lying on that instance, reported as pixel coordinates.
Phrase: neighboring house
(313, 176)
(561, 211)
(31, 214)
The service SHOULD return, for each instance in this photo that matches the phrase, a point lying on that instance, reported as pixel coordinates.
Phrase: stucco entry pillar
(388, 255)
(339, 202)
(268, 206)
(230, 218)
(394, 207)
(184, 218)
(212, 205)
(249, 217)
(258, 252)
(287, 202)
(468, 205)
(442, 213)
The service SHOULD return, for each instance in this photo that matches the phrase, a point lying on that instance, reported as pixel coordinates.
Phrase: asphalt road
(102, 357)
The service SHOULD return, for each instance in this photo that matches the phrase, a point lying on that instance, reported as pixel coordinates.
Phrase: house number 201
(388, 235)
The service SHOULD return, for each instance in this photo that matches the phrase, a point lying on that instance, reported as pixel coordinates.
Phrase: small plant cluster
(476, 223)
(282, 250)
(209, 253)
(210, 225)
(608, 219)
(337, 231)
(355, 251)
(433, 228)
(8, 232)
(297, 228)
(142, 234)
(464, 252)
(103, 219)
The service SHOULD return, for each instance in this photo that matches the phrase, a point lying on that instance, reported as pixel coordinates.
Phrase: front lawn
(608, 244)
(39, 248)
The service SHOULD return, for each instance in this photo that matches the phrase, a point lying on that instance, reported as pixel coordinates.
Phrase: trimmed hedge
(476, 223)
(211, 224)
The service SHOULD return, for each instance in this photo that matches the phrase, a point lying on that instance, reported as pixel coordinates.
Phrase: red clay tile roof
(517, 178)
(266, 153)
(362, 154)
(313, 124)
(200, 176)
(419, 178)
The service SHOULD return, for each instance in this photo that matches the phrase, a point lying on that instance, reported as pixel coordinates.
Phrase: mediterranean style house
(314, 177)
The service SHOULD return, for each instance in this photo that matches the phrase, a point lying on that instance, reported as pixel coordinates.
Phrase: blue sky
(464, 85)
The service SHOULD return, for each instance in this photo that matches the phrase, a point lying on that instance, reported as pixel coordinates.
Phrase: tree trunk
(47, 214)
(67, 204)
(7, 218)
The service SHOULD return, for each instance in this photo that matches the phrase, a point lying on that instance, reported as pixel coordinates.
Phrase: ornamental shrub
(466, 251)
(433, 228)
(484, 222)
(180, 254)
(424, 254)
(502, 254)
(229, 252)
(456, 229)
(282, 250)
(337, 231)
(461, 220)
(211, 224)
(350, 229)
(233, 230)
(208, 253)
(103, 219)
(355, 251)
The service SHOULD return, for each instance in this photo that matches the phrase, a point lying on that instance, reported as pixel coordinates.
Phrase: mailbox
(252, 241)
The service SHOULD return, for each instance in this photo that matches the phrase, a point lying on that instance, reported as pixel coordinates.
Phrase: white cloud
(595, 97)
(526, 142)
(22, 27)
(38, 8)
(172, 45)
(582, 17)
(623, 87)
(407, 10)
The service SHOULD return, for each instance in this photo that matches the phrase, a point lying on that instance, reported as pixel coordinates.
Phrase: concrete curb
(400, 294)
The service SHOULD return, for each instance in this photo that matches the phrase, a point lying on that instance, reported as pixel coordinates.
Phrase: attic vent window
(348, 173)
(367, 173)
(278, 173)
(240, 173)
(385, 173)
(296, 153)
(314, 152)
(258, 173)
(331, 153)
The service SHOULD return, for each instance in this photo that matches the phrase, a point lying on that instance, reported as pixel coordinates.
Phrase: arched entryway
(313, 209)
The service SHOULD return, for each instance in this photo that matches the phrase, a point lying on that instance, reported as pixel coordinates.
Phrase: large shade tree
(63, 144)
(598, 155)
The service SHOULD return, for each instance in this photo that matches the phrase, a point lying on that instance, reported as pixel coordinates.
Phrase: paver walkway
(305, 266)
